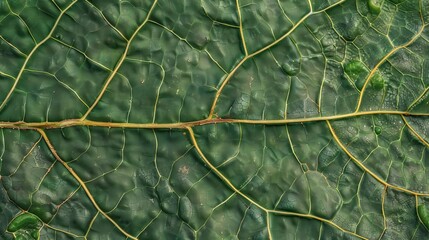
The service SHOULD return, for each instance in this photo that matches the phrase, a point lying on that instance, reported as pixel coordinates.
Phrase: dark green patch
(377, 130)
(396, 1)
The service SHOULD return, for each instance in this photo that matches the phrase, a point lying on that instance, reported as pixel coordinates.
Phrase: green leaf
(214, 119)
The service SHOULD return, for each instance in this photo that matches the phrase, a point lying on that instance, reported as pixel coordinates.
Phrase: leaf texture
(214, 119)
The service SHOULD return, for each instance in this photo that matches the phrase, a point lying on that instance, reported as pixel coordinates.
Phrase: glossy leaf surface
(214, 119)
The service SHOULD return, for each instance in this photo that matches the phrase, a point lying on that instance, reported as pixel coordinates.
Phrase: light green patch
(423, 212)
(357, 71)
(25, 226)
(374, 6)
(377, 81)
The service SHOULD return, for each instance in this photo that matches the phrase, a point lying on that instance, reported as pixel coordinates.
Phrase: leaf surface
(223, 119)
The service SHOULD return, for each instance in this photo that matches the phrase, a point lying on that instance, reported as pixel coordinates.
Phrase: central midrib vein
(182, 125)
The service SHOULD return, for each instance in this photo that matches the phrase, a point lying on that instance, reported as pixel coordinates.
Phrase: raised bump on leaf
(377, 130)
(423, 212)
(374, 6)
(312, 194)
(357, 71)
(241, 104)
(377, 81)
(25, 226)
(185, 209)
(290, 68)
